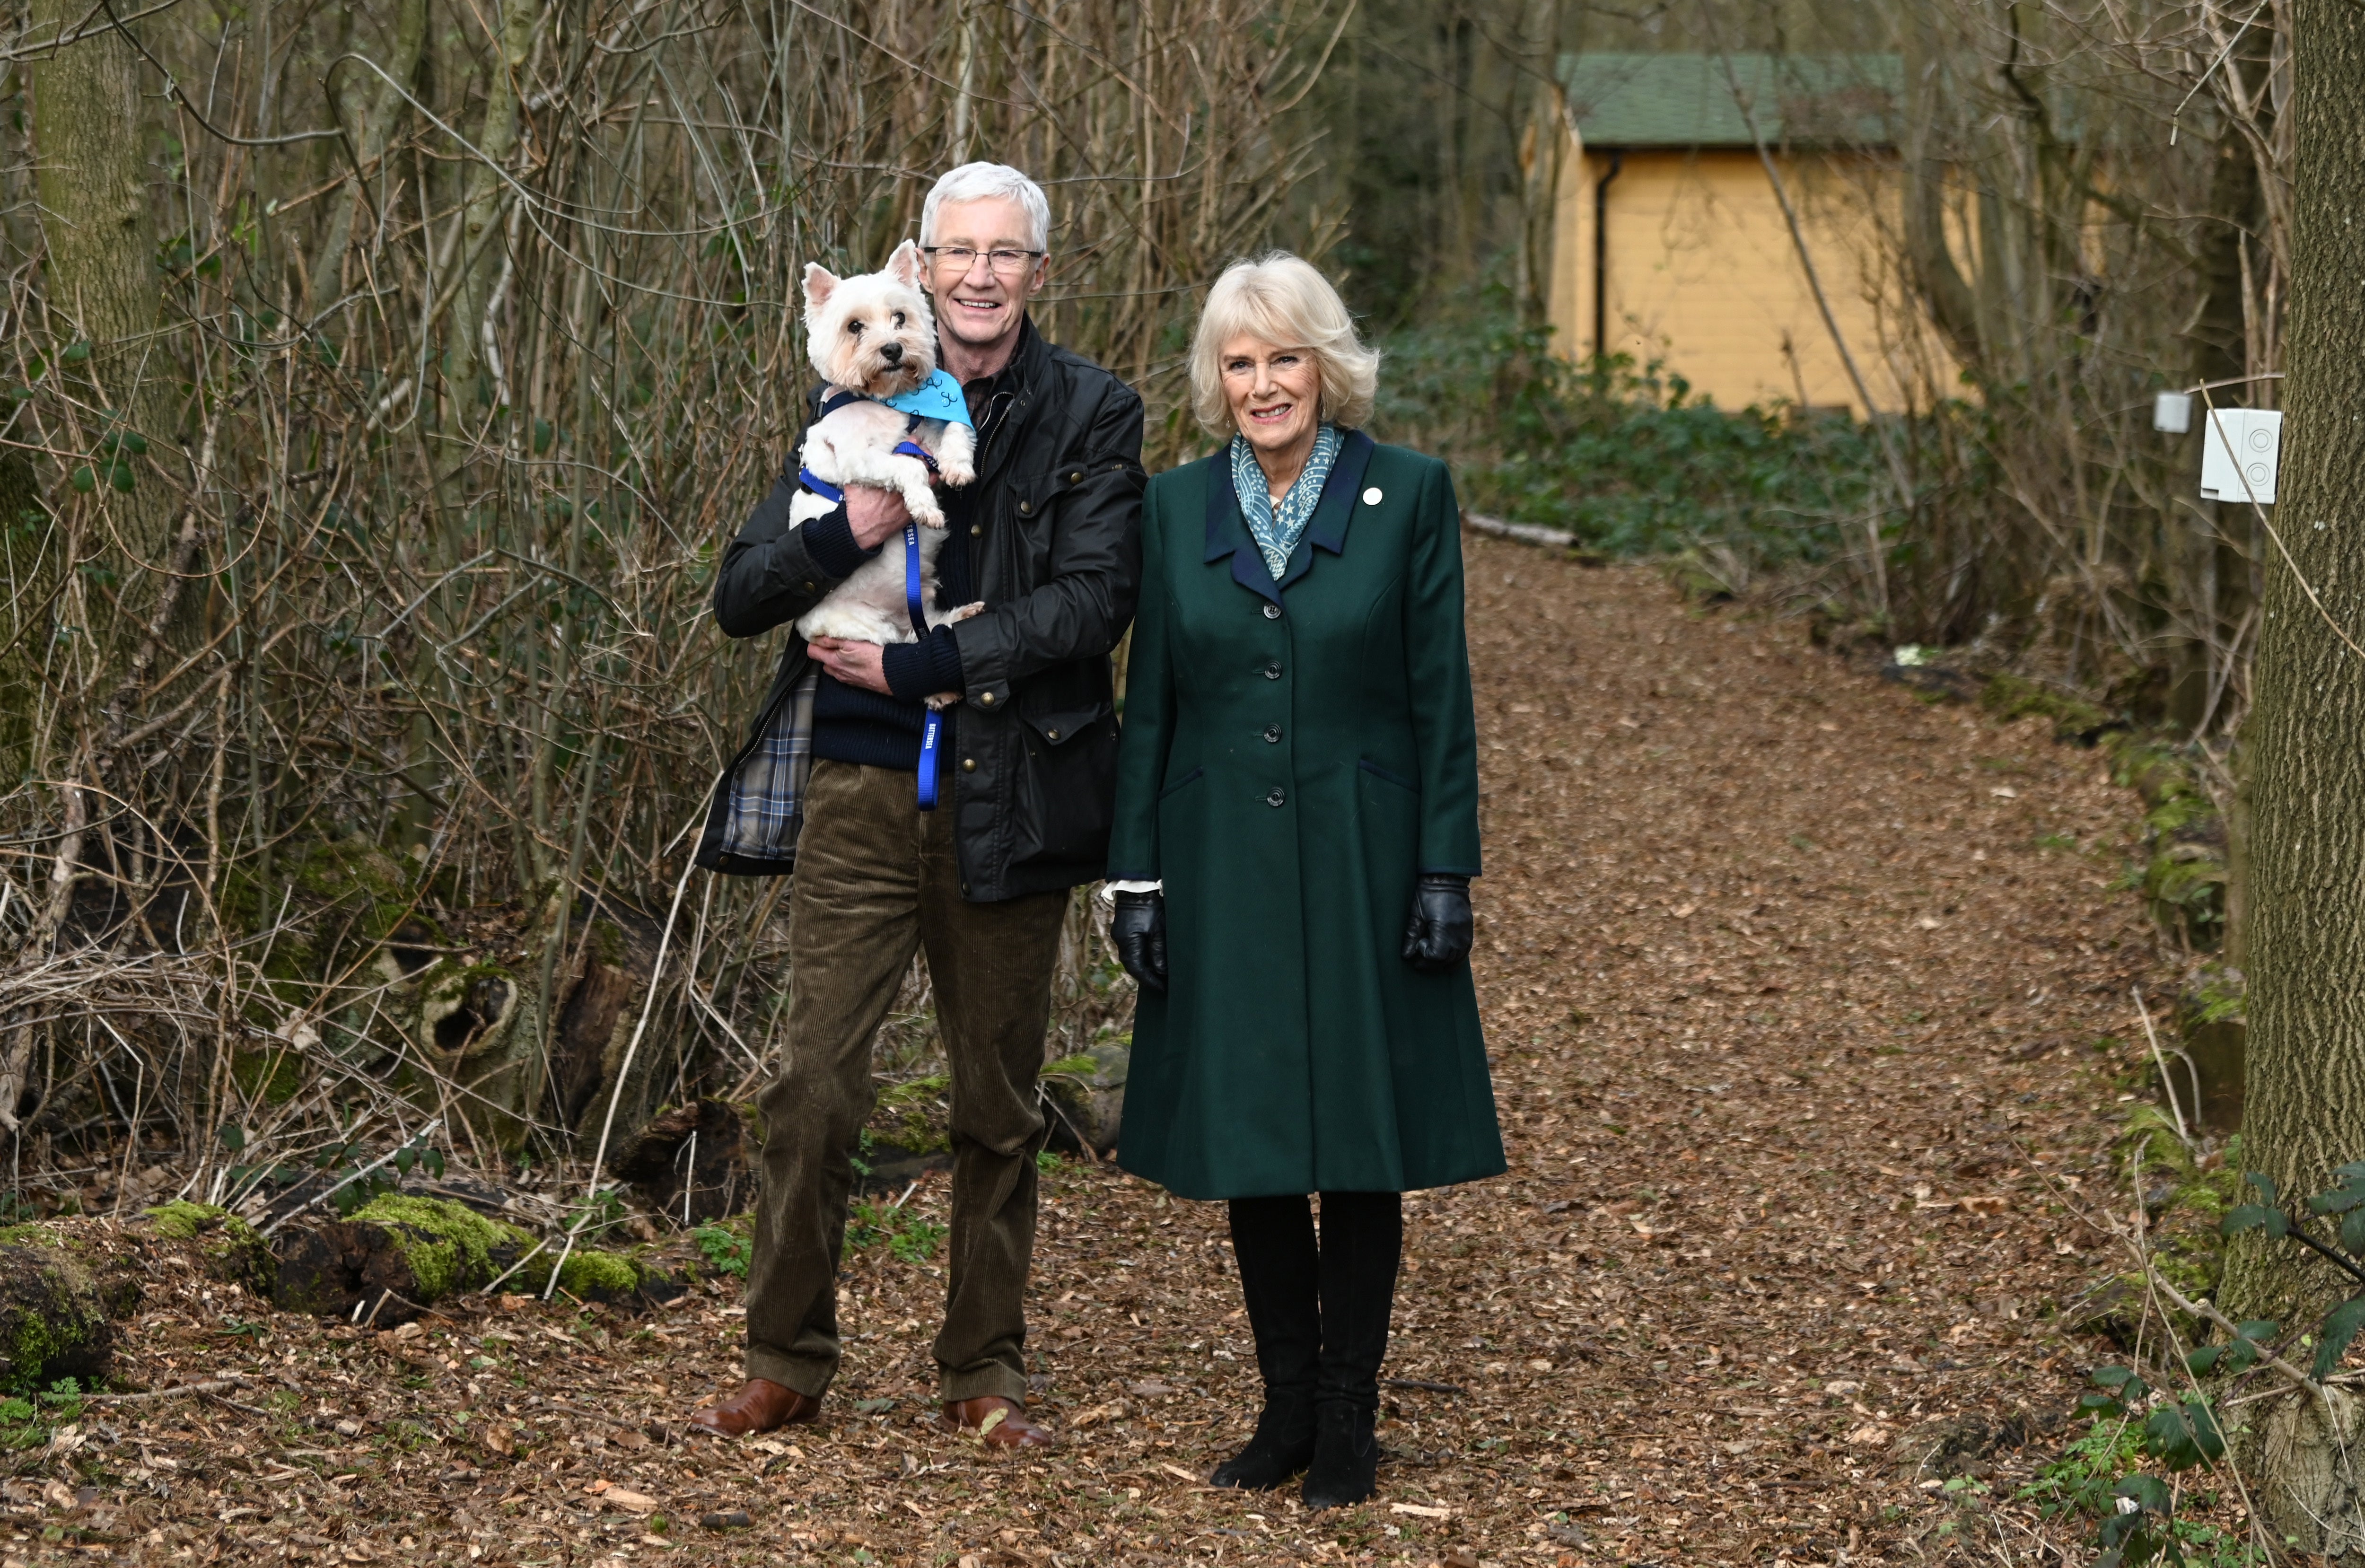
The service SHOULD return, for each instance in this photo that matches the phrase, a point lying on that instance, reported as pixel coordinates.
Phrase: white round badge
(1372, 496)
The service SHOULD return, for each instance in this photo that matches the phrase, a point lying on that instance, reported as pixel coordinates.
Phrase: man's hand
(875, 516)
(854, 664)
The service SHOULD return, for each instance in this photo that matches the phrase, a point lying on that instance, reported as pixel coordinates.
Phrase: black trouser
(1320, 1311)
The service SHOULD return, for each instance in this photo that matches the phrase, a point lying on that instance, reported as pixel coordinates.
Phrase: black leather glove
(1138, 929)
(1438, 935)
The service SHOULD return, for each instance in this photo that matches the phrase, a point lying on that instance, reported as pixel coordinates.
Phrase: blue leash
(932, 728)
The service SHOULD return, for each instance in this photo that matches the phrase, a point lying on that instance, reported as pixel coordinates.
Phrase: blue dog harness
(932, 728)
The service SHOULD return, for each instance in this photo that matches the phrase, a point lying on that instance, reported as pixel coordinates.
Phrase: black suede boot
(1273, 1239)
(1346, 1468)
(1362, 1238)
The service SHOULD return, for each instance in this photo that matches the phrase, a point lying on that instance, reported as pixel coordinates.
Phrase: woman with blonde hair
(1297, 829)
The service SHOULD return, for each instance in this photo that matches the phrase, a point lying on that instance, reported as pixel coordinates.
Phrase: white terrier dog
(873, 339)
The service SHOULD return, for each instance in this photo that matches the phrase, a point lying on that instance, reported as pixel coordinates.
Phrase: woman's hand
(1438, 935)
(1138, 929)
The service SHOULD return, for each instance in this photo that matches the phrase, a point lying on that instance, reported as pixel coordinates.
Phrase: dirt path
(1794, 985)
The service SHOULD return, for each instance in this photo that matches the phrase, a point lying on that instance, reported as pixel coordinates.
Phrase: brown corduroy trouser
(876, 880)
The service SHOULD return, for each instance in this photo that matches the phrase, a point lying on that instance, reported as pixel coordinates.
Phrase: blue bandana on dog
(1276, 529)
(937, 397)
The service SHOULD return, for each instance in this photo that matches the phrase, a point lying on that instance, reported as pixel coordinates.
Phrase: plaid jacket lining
(767, 790)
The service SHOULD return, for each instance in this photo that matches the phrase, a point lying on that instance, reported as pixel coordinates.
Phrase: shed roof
(1685, 100)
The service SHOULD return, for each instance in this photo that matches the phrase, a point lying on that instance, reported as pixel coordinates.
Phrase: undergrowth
(1624, 457)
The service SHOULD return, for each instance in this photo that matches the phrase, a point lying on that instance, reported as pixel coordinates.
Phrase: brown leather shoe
(1002, 1423)
(759, 1406)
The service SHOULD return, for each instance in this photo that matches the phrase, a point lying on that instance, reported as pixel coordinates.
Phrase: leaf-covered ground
(1794, 986)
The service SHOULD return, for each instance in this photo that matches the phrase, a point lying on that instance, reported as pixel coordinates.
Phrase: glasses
(959, 259)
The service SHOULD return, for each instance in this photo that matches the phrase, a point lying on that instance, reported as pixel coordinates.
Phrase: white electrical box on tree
(2240, 454)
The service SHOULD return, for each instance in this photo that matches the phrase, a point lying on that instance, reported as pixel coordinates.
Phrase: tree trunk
(97, 227)
(2306, 944)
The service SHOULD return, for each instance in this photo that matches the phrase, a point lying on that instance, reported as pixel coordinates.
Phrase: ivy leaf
(2121, 1381)
(2254, 1216)
(85, 480)
(434, 1160)
(2202, 1359)
(2182, 1436)
(233, 1138)
(2341, 1199)
(2340, 1326)
(2352, 1231)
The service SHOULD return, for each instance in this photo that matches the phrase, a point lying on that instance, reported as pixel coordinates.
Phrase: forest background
(384, 380)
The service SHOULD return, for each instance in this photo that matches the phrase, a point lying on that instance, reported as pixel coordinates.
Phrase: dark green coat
(1293, 755)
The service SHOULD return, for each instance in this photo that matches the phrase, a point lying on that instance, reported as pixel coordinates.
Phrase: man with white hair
(1049, 538)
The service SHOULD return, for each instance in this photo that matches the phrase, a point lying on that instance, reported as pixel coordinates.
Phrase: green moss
(599, 1276)
(183, 1221)
(1078, 1066)
(449, 1246)
(2074, 718)
(54, 1319)
(31, 1235)
(910, 1114)
(919, 1090)
(233, 1249)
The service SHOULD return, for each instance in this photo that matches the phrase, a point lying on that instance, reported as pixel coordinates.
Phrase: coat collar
(1228, 530)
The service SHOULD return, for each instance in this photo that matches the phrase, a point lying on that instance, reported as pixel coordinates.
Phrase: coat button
(1026, 508)
(1276, 798)
(1272, 612)
(977, 530)
(1273, 734)
(968, 765)
(1272, 670)
(1051, 735)
(1372, 496)
(1075, 476)
(807, 586)
(985, 699)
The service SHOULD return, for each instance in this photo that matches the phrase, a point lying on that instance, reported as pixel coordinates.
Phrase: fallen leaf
(1148, 1389)
(1993, 1203)
(1870, 1433)
(628, 1501)
(2004, 793)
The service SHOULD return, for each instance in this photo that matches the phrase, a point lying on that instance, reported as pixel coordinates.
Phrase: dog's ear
(820, 284)
(904, 266)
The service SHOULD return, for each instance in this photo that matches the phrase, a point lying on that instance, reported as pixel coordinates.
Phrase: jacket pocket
(1059, 729)
(1398, 779)
(1063, 800)
(1189, 779)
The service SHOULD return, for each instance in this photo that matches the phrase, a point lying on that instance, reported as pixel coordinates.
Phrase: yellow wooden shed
(1672, 245)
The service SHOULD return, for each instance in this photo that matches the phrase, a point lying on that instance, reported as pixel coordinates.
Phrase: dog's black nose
(892, 352)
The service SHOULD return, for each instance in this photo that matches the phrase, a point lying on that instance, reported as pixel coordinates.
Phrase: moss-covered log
(58, 1304)
(396, 1257)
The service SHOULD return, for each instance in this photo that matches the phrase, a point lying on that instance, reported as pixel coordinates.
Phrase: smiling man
(1049, 538)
